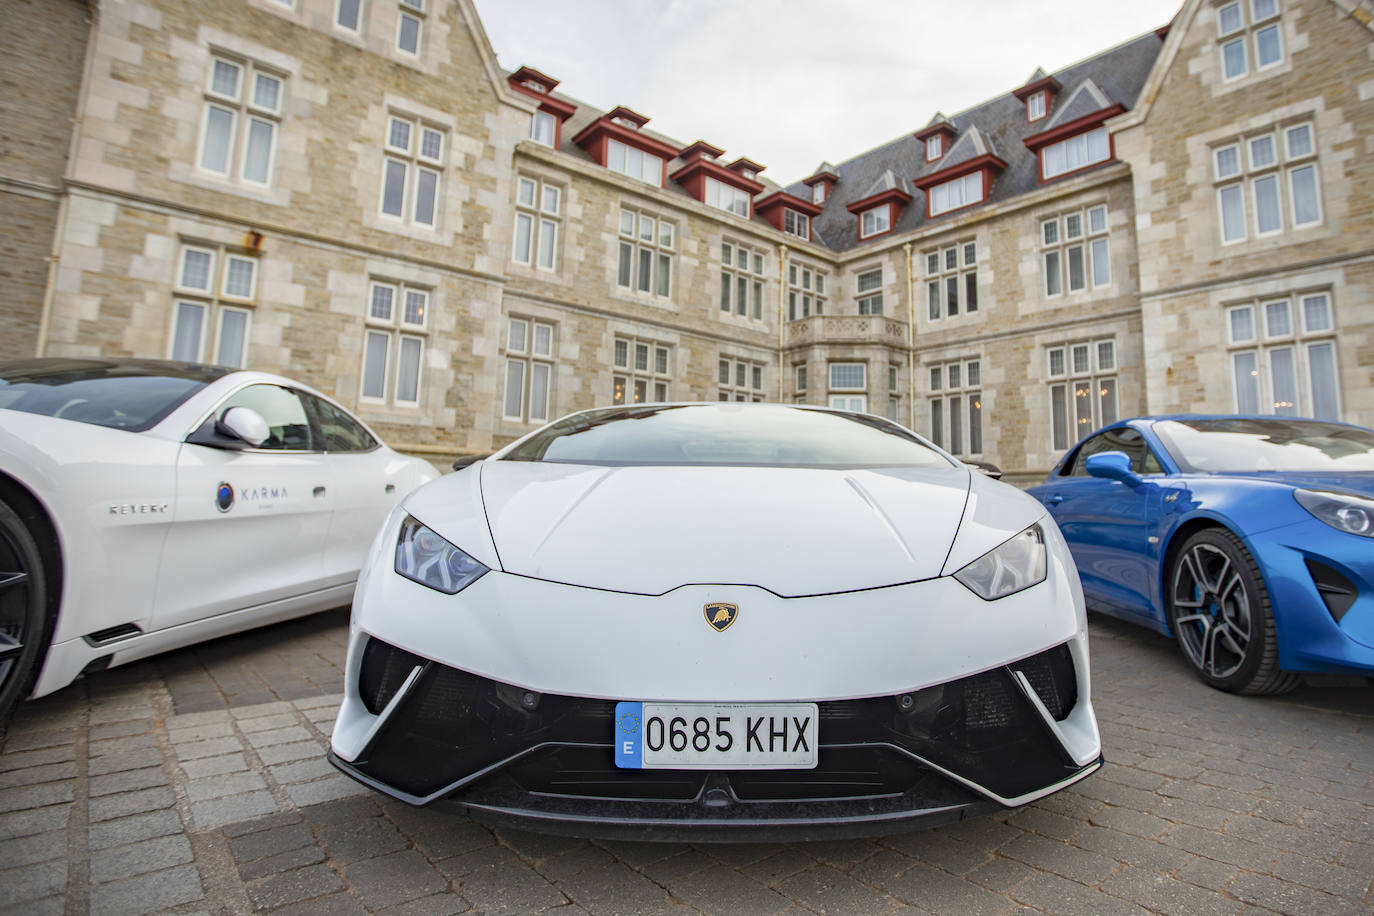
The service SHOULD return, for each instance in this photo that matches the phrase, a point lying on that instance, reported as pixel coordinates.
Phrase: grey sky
(790, 83)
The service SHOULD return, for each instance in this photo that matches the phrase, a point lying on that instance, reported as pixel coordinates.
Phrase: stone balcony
(848, 329)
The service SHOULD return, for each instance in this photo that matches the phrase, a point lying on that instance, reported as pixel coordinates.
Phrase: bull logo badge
(720, 615)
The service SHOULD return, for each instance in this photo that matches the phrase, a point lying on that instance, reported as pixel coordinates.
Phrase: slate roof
(997, 126)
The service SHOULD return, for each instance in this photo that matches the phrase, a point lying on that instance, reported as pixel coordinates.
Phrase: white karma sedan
(146, 505)
(718, 621)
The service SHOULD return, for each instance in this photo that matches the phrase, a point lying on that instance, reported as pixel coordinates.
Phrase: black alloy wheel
(23, 611)
(1220, 612)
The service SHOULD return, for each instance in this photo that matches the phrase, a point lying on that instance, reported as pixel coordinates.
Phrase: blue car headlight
(1342, 511)
(1014, 565)
(422, 556)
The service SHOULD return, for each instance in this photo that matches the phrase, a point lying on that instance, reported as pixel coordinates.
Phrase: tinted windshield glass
(131, 395)
(1240, 445)
(734, 434)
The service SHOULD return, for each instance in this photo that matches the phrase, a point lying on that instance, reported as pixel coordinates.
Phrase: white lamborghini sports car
(146, 505)
(718, 621)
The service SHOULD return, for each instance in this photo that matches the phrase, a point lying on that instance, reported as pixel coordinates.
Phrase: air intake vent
(1337, 591)
(112, 634)
(1052, 676)
(384, 670)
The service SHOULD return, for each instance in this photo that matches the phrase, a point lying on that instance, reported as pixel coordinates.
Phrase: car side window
(342, 433)
(1123, 439)
(284, 412)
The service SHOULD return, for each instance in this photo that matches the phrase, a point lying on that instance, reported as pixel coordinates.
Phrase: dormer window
(798, 224)
(1075, 153)
(626, 122)
(536, 86)
(875, 221)
(952, 195)
(935, 147)
(818, 193)
(1035, 106)
(543, 128)
(748, 173)
(634, 162)
(721, 195)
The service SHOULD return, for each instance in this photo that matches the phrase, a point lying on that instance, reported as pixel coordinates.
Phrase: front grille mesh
(453, 725)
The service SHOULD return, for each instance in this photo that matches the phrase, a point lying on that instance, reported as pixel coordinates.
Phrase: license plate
(702, 736)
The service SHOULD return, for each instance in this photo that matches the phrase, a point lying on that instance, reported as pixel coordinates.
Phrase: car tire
(24, 618)
(1221, 616)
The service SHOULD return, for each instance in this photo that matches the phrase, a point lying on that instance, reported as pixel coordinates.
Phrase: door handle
(319, 491)
(1055, 500)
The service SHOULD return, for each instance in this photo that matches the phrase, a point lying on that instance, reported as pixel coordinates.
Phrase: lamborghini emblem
(720, 615)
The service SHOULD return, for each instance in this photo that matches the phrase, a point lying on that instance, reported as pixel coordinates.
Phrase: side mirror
(244, 424)
(987, 467)
(467, 460)
(1113, 466)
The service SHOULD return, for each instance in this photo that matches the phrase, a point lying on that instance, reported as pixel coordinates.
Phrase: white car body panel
(143, 543)
(833, 531)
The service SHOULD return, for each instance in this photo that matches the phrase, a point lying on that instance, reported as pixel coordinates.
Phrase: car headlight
(1342, 511)
(422, 556)
(1005, 570)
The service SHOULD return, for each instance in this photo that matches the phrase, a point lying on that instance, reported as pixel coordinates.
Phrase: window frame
(749, 278)
(951, 268)
(1094, 373)
(415, 163)
(659, 250)
(214, 302)
(657, 373)
(530, 358)
(397, 330)
(955, 404)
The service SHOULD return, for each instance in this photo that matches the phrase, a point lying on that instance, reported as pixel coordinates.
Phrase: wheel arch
(1177, 538)
(43, 529)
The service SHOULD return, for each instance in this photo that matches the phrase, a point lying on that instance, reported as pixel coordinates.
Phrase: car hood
(1357, 481)
(793, 531)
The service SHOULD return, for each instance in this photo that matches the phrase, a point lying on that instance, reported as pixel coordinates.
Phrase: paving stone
(205, 732)
(574, 862)
(147, 893)
(263, 843)
(790, 860)
(139, 858)
(1131, 849)
(132, 829)
(1063, 897)
(1162, 894)
(1291, 898)
(392, 879)
(267, 723)
(289, 860)
(214, 766)
(443, 834)
(195, 720)
(1126, 820)
(341, 810)
(121, 762)
(33, 882)
(22, 760)
(325, 790)
(285, 753)
(226, 784)
(1061, 859)
(292, 886)
(121, 729)
(258, 710)
(444, 904)
(1353, 884)
(126, 781)
(24, 798)
(1001, 874)
(219, 811)
(511, 888)
(36, 775)
(935, 891)
(822, 889)
(259, 824)
(1208, 873)
(367, 838)
(303, 770)
(33, 850)
(123, 804)
(330, 701)
(211, 747)
(23, 739)
(1253, 856)
(333, 905)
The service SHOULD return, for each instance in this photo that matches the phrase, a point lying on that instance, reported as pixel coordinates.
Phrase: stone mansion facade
(353, 193)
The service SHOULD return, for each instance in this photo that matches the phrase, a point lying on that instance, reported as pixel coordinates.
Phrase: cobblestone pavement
(196, 782)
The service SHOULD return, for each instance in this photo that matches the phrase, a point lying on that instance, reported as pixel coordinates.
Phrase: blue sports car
(1248, 539)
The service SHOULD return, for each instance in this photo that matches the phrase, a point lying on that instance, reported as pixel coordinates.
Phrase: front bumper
(445, 736)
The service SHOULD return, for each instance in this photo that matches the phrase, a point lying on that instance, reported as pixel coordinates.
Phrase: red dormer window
(821, 183)
(818, 193)
(878, 213)
(935, 147)
(788, 213)
(960, 185)
(1075, 145)
(615, 140)
(1038, 95)
(937, 136)
(546, 124)
(730, 188)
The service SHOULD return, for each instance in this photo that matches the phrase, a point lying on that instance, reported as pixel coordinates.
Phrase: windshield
(1237, 445)
(121, 394)
(759, 435)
